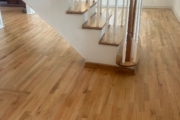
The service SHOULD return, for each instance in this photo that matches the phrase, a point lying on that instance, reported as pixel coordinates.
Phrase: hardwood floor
(43, 78)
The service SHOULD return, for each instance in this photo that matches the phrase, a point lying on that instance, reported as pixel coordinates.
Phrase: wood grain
(36, 60)
(115, 36)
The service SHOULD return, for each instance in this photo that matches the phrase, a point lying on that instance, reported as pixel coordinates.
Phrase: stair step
(115, 36)
(84, 8)
(94, 21)
(111, 67)
(128, 63)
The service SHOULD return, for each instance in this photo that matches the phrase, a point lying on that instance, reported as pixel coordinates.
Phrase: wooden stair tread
(94, 24)
(128, 63)
(111, 67)
(115, 36)
(84, 8)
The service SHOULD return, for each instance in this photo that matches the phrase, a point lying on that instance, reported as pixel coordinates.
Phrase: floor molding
(157, 7)
(130, 70)
(153, 7)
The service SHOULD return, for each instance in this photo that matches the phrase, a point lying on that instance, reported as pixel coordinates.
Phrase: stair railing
(98, 12)
(100, 6)
(127, 52)
(107, 20)
(126, 31)
(137, 30)
(89, 12)
(72, 5)
(116, 13)
(80, 5)
(122, 14)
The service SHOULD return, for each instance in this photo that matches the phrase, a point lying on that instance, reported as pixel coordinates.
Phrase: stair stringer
(69, 26)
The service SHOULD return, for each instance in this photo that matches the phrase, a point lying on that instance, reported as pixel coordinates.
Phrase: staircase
(100, 35)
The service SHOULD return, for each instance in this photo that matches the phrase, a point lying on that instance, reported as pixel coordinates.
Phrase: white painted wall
(157, 3)
(176, 8)
(147, 3)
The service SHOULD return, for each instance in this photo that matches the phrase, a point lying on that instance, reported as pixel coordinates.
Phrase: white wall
(146, 3)
(176, 8)
(158, 3)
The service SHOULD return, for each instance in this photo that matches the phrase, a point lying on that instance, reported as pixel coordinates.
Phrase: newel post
(130, 29)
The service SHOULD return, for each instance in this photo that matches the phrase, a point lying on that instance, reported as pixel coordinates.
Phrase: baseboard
(154, 7)
(124, 70)
(177, 16)
(169, 7)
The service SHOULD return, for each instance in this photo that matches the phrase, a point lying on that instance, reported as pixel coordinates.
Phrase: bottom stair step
(114, 37)
(124, 70)
(128, 63)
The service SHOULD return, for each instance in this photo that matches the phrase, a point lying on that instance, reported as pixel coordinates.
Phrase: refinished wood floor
(42, 77)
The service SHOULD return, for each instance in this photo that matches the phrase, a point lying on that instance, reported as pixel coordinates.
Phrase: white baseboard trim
(177, 16)
(170, 7)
